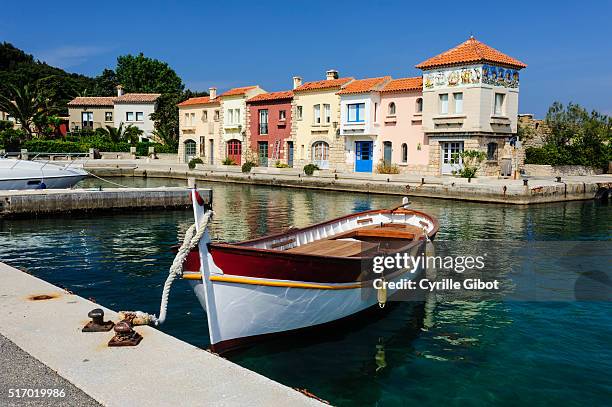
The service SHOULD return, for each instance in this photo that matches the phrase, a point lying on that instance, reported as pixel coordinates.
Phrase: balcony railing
(263, 128)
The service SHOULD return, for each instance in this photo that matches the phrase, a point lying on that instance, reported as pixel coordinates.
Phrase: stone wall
(536, 170)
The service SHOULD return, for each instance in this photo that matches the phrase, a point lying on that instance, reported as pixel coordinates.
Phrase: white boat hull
(22, 174)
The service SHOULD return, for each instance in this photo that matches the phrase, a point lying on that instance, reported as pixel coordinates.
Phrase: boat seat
(385, 231)
(335, 248)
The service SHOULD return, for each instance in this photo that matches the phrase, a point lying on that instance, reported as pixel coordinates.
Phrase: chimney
(119, 90)
(212, 92)
(297, 81)
(331, 74)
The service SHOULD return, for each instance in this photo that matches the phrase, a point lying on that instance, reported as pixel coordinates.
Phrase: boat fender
(381, 294)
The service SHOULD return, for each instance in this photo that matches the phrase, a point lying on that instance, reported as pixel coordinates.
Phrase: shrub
(309, 169)
(279, 164)
(384, 168)
(472, 159)
(83, 146)
(195, 161)
(246, 167)
(228, 161)
(10, 139)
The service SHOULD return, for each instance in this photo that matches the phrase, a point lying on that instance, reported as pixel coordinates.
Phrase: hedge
(54, 146)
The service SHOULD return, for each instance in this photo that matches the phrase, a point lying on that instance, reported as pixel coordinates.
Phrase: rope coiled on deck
(191, 240)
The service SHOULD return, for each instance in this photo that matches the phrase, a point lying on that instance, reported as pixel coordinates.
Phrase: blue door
(290, 154)
(363, 158)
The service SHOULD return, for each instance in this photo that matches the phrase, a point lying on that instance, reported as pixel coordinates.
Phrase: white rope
(191, 240)
(105, 180)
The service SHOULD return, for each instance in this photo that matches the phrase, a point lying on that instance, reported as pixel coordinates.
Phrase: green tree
(23, 104)
(148, 75)
(127, 134)
(105, 83)
(576, 137)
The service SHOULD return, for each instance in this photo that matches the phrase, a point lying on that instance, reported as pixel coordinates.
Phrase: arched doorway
(190, 150)
(320, 154)
(234, 151)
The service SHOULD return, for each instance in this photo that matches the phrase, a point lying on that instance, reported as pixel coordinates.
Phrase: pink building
(401, 131)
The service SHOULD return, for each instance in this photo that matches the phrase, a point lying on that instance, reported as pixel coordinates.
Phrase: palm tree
(22, 104)
(115, 133)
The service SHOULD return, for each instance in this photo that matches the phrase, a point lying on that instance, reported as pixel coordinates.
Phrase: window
(262, 147)
(282, 114)
(237, 116)
(230, 116)
(129, 116)
(419, 105)
(140, 117)
(375, 110)
(108, 116)
(317, 114)
(327, 110)
(356, 113)
(190, 148)
(391, 109)
(216, 115)
(263, 121)
(492, 151)
(86, 119)
(205, 115)
(458, 97)
(404, 153)
(299, 113)
(320, 154)
(444, 103)
(186, 121)
(499, 103)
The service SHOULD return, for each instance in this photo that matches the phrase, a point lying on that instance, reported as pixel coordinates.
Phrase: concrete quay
(46, 201)
(484, 189)
(45, 322)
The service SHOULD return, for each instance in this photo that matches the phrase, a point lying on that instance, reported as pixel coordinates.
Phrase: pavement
(20, 370)
(45, 322)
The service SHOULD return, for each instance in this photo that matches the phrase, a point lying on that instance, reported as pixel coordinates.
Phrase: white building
(359, 122)
(135, 109)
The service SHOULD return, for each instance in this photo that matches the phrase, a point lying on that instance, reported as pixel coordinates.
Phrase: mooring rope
(191, 240)
(105, 180)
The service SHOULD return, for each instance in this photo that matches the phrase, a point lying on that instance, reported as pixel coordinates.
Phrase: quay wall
(480, 189)
(21, 203)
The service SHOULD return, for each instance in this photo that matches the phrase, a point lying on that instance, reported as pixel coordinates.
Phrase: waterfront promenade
(160, 371)
(482, 189)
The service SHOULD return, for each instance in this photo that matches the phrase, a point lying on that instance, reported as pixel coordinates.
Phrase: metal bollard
(125, 335)
(97, 323)
(525, 182)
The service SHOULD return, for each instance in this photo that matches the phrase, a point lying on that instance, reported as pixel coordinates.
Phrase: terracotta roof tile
(404, 84)
(204, 100)
(473, 51)
(271, 96)
(92, 101)
(324, 84)
(137, 98)
(364, 85)
(238, 91)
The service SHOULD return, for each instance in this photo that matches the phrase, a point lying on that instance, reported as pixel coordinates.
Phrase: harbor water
(464, 353)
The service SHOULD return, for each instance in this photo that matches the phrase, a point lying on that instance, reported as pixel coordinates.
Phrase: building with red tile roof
(199, 128)
(470, 102)
(269, 127)
(129, 109)
(470, 52)
(404, 84)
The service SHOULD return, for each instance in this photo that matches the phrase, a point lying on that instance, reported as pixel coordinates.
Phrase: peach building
(401, 133)
(199, 128)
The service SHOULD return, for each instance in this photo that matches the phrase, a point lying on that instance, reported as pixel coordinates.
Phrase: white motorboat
(24, 174)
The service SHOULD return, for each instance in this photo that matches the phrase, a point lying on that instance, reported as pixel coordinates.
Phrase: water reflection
(426, 353)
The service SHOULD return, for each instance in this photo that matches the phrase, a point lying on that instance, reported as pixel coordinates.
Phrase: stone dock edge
(504, 191)
(45, 321)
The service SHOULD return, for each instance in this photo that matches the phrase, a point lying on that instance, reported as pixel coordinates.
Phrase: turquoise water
(438, 352)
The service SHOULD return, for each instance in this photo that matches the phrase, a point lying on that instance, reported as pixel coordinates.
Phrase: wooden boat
(301, 278)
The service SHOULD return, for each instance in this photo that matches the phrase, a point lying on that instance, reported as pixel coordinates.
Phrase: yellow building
(315, 131)
(199, 129)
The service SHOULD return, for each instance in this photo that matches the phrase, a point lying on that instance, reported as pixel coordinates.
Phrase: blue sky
(226, 44)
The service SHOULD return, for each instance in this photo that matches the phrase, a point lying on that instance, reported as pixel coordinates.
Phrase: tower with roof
(470, 102)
